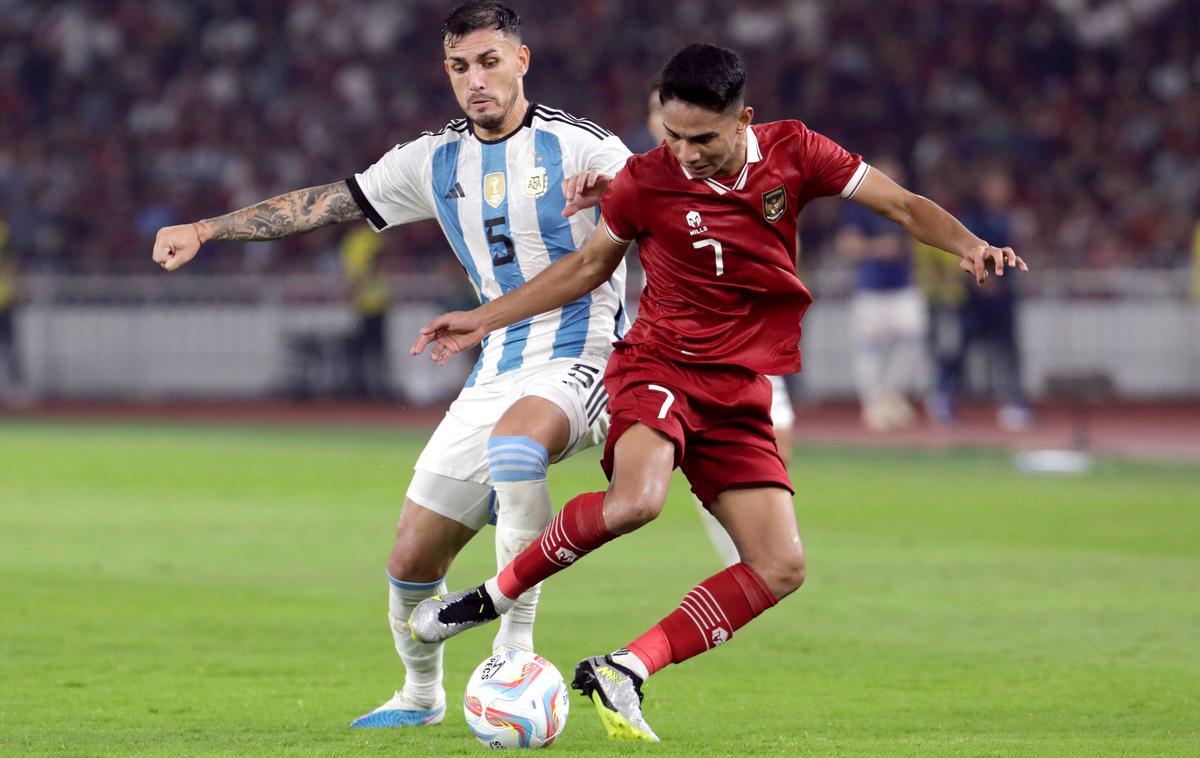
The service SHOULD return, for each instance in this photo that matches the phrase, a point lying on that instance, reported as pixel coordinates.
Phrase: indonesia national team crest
(774, 204)
(493, 189)
(536, 182)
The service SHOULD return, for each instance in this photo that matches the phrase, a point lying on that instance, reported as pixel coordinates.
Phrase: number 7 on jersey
(716, 246)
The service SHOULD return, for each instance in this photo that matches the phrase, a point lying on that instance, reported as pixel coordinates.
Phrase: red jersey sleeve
(620, 207)
(829, 168)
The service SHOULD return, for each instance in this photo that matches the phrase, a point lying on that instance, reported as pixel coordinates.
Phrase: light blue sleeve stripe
(505, 267)
(445, 176)
(556, 235)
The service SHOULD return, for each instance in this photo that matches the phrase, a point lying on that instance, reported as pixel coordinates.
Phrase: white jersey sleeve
(394, 190)
(608, 155)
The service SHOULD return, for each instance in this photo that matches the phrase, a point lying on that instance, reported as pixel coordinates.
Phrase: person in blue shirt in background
(989, 313)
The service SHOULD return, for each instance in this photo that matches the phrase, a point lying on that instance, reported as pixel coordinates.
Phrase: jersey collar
(525, 122)
(753, 155)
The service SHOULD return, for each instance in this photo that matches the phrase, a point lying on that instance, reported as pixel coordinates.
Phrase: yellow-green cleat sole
(615, 725)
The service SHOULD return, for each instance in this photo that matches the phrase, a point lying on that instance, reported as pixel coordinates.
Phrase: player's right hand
(976, 262)
(583, 190)
(176, 245)
(449, 334)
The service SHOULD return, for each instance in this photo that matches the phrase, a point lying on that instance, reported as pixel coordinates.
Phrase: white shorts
(782, 415)
(452, 477)
(889, 314)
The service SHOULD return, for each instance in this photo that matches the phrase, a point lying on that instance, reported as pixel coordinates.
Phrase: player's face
(486, 69)
(705, 142)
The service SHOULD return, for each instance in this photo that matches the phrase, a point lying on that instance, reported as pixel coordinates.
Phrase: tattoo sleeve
(288, 214)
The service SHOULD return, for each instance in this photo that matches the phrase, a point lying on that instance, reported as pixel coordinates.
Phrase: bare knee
(411, 562)
(623, 514)
(783, 572)
(426, 543)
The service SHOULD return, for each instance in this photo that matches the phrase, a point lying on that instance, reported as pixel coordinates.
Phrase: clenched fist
(176, 245)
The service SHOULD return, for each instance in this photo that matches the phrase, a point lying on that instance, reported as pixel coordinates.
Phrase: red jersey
(720, 256)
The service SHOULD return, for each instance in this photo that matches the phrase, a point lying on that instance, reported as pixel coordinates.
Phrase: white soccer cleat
(617, 694)
(402, 711)
(440, 617)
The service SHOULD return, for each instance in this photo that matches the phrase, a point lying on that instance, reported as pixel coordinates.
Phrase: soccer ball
(516, 699)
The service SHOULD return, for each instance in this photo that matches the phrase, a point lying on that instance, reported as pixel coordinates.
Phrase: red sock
(577, 530)
(707, 617)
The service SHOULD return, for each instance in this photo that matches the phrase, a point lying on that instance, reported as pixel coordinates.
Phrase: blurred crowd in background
(118, 117)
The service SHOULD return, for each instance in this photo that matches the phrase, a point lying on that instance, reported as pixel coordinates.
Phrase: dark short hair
(473, 16)
(705, 75)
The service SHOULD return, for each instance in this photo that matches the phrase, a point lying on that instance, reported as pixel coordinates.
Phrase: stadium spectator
(370, 297)
(161, 109)
(1196, 263)
(887, 318)
(11, 379)
(985, 318)
(945, 292)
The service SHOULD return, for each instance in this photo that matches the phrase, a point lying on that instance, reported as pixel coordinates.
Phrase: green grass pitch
(208, 590)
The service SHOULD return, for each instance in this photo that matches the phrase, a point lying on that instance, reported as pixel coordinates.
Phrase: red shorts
(719, 418)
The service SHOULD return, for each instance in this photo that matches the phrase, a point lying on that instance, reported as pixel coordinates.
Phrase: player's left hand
(976, 262)
(583, 190)
(450, 333)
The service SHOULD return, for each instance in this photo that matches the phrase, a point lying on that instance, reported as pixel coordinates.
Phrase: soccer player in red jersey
(714, 213)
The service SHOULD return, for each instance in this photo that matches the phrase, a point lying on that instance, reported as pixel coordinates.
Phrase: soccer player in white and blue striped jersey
(501, 183)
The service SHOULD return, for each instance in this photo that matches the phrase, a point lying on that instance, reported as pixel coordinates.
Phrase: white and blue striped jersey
(500, 206)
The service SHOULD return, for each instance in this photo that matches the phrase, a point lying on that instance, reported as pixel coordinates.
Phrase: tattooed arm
(282, 216)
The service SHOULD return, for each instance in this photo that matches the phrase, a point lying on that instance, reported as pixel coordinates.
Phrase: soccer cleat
(442, 616)
(617, 694)
(401, 711)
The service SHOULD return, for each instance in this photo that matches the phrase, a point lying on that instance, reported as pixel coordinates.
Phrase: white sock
(523, 509)
(717, 535)
(630, 661)
(517, 465)
(422, 661)
(501, 602)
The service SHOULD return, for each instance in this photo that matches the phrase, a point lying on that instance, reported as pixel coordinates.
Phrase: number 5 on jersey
(716, 246)
(497, 238)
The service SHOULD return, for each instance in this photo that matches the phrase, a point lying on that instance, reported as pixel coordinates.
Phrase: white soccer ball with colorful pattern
(516, 699)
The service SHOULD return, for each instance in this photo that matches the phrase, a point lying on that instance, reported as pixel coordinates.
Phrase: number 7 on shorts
(666, 406)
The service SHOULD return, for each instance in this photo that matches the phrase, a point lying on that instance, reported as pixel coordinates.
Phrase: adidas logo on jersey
(455, 191)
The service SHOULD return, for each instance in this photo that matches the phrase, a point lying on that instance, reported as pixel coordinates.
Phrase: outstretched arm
(281, 216)
(568, 279)
(928, 222)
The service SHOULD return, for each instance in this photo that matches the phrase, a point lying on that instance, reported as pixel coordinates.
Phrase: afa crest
(774, 204)
(494, 189)
(536, 182)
